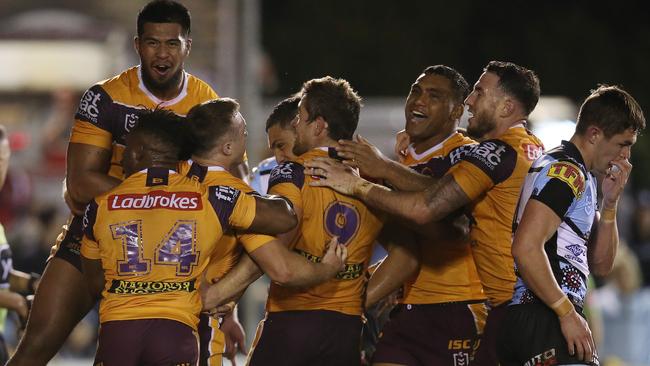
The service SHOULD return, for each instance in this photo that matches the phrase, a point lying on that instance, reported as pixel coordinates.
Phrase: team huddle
(490, 237)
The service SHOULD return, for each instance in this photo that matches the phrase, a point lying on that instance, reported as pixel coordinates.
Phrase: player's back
(325, 214)
(156, 232)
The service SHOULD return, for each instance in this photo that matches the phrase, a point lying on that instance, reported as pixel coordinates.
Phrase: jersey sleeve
(287, 180)
(558, 185)
(93, 119)
(233, 208)
(484, 166)
(250, 242)
(89, 246)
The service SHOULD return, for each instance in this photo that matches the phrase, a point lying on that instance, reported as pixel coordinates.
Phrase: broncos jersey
(155, 234)
(109, 110)
(491, 175)
(325, 213)
(560, 180)
(447, 271)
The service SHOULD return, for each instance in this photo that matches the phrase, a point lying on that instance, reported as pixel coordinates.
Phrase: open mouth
(417, 116)
(161, 69)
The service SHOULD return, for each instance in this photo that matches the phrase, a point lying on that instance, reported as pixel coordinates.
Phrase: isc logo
(89, 105)
(459, 344)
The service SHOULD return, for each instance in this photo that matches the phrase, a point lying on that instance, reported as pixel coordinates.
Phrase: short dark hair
(209, 121)
(518, 82)
(166, 133)
(283, 113)
(459, 85)
(611, 109)
(165, 11)
(336, 102)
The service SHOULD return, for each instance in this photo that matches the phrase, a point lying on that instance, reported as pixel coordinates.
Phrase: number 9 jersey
(325, 213)
(154, 234)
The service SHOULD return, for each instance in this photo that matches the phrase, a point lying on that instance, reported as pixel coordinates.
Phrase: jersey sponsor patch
(495, 158)
(92, 104)
(88, 221)
(569, 174)
(184, 201)
(532, 151)
(149, 287)
(223, 200)
(288, 172)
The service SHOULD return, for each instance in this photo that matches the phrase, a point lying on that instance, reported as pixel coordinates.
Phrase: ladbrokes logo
(185, 201)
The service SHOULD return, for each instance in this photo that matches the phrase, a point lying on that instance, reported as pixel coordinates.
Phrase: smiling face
(482, 103)
(429, 108)
(162, 48)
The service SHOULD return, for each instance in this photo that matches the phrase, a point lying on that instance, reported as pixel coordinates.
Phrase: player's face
(616, 147)
(131, 156)
(303, 130)
(162, 49)
(482, 103)
(239, 140)
(281, 141)
(428, 108)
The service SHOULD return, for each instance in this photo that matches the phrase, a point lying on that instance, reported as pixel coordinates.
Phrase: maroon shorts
(431, 334)
(486, 355)
(68, 244)
(151, 342)
(315, 338)
(211, 339)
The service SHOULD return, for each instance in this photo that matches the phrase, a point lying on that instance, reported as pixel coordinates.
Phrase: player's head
(328, 110)
(610, 119)
(504, 92)
(163, 43)
(280, 130)
(218, 131)
(158, 140)
(435, 102)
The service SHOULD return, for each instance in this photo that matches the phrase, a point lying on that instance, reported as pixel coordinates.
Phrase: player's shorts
(431, 334)
(212, 340)
(486, 354)
(68, 243)
(314, 337)
(531, 335)
(146, 342)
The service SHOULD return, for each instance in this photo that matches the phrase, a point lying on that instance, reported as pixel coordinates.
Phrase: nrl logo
(129, 121)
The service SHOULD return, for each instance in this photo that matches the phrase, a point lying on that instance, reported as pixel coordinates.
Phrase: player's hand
(235, 337)
(578, 336)
(615, 181)
(363, 155)
(334, 174)
(402, 142)
(335, 256)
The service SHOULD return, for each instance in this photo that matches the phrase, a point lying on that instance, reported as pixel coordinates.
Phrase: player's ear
(321, 125)
(593, 134)
(188, 46)
(136, 44)
(226, 148)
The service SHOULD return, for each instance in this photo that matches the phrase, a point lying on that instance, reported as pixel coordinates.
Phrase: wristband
(562, 307)
(608, 215)
(361, 189)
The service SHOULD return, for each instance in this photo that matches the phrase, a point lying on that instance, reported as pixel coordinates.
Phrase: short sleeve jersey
(447, 271)
(109, 110)
(560, 180)
(491, 175)
(154, 234)
(325, 213)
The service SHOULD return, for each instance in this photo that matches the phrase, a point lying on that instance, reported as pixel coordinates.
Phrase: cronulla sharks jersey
(560, 180)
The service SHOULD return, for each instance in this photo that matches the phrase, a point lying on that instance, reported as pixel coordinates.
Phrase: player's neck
(221, 162)
(586, 149)
(503, 126)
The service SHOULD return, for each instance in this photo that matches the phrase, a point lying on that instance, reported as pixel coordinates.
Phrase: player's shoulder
(200, 88)
(288, 172)
(121, 83)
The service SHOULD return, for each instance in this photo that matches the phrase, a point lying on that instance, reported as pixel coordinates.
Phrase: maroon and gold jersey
(109, 110)
(491, 175)
(447, 271)
(325, 213)
(155, 234)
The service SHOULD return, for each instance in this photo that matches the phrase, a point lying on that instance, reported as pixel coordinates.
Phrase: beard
(480, 126)
(299, 148)
(168, 84)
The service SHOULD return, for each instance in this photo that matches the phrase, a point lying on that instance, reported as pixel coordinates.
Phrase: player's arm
(603, 243)
(361, 154)
(283, 266)
(14, 301)
(401, 264)
(87, 172)
(538, 224)
(273, 215)
(22, 282)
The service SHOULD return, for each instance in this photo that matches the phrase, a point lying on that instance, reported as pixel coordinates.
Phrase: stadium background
(260, 51)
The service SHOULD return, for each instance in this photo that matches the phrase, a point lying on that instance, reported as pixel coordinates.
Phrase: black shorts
(313, 337)
(146, 342)
(530, 335)
(68, 243)
(431, 334)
